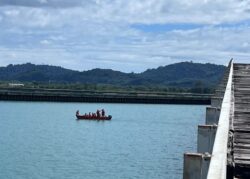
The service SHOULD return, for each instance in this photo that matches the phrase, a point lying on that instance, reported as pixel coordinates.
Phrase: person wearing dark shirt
(98, 113)
(103, 112)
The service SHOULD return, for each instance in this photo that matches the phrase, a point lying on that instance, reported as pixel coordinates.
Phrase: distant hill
(184, 74)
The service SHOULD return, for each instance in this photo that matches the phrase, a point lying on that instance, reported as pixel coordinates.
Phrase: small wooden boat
(87, 117)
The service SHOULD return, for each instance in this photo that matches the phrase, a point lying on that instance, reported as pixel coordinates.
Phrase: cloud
(140, 11)
(138, 51)
(45, 42)
(123, 35)
(43, 3)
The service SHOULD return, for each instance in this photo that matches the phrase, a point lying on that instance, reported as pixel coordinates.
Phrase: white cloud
(129, 11)
(200, 45)
(12, 12)
(45, 42)
(87, 34)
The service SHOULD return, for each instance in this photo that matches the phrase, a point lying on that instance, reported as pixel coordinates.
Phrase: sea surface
(40, 140)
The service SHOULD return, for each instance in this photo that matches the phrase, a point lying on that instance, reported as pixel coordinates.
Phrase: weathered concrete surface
(206, 136)
(216, 102)
(196, 165)
(30, 94)
(212, 115)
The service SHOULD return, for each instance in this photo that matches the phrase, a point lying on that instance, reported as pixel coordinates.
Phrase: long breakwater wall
(58, 95)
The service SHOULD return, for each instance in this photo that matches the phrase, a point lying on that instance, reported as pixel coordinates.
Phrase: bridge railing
(210, 161)
(218, 162)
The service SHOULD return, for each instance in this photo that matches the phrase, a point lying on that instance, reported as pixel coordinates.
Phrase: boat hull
(80, 117)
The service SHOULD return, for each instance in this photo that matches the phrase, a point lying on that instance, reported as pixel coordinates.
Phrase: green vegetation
(110, 88)
(179, 77)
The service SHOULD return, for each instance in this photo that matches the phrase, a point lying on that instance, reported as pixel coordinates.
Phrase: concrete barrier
(216, 102)
(205, 139)
(212, 115)
(196, 165)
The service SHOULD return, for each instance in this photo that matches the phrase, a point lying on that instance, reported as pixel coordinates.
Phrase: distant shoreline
(59, 95)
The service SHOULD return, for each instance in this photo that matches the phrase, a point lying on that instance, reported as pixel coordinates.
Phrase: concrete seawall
(102, 97)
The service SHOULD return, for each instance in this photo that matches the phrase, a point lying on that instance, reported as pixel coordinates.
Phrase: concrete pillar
(219, 93)
(212, 115)
(205, 165)
(216, 102)
(196, 165)
(206, 136)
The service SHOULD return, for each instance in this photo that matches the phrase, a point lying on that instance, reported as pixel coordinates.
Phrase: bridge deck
(241, 120)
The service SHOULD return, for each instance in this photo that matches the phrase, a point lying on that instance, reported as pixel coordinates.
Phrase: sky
(124, 35)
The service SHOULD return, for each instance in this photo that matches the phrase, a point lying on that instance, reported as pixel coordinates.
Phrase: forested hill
(184, 74)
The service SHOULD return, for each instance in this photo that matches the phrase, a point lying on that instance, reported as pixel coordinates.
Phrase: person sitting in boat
(98, 113)
(77, 112)
(103, 113)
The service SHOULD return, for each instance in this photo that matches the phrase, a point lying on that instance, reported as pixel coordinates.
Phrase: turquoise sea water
(43, 140)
